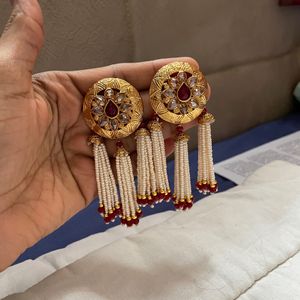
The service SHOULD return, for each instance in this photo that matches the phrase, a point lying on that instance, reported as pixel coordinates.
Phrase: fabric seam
(266, 274)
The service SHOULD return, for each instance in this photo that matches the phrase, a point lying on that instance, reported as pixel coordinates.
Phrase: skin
(46, 167)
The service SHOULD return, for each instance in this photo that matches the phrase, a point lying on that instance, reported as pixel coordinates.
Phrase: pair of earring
(113, 109)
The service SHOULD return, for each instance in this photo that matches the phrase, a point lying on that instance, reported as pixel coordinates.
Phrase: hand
(46, 167)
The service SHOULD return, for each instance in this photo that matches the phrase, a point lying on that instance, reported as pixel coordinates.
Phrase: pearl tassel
(130, 208)
(206, 181)
(109, 205)
(159, 159)
(182, 198)
(147, 190)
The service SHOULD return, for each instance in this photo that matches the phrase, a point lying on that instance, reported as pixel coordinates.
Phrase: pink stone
(111, 109)
(184, 92)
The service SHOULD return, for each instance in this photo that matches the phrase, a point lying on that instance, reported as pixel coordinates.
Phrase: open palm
(46, 166)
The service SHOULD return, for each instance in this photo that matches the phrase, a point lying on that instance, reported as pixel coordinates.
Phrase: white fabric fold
(233, 245)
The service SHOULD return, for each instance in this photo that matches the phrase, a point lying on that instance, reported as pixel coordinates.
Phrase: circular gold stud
(178, 93)
(113, 108)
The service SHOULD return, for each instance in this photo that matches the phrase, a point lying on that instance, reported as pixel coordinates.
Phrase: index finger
(138, 74)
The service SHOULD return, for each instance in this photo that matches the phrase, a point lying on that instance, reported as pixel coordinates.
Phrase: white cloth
(242, 244)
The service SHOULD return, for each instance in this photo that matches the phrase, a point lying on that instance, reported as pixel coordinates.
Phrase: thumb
(23, 35)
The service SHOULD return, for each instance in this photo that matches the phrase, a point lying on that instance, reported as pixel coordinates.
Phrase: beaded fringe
(206, 182)
(130, 208)
(159, 159)
(146, 180)
(182, 197)
(109, 205)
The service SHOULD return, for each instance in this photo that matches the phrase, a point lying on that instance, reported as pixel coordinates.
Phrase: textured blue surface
(88, 221)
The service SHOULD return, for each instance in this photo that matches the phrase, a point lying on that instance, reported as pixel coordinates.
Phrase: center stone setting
(111, 109)
(184, 92)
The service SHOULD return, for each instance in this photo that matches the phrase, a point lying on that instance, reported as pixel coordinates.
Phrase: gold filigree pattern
(113, 108)
(178, 93)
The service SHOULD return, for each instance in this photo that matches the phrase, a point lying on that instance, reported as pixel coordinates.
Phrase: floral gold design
(178, 93)
(113, 108)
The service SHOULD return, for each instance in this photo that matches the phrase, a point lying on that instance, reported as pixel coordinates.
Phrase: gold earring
(178, 95)
(113, 109)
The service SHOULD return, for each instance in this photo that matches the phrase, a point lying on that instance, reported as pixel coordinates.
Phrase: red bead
(167, 196)
(123, 221)
(139, 214)
(177, 206)
(184, 92)
(135, 221)
(189, 204)
(101, 209)
(155, 198)
(161, 196)
(179, 129)
(204, 111)
(107, 219)
(150, 201)
(119, 144)
(143, 125)
(213, 189)
(129, 223)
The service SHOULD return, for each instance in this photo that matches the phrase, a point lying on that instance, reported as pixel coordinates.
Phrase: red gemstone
(184, 92)
(111, 109)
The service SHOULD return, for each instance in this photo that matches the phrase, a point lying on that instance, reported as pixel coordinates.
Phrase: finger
(23, 35)
(138, 74)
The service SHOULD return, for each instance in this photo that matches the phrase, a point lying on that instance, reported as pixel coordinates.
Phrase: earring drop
(178, 95)
(113, 109)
